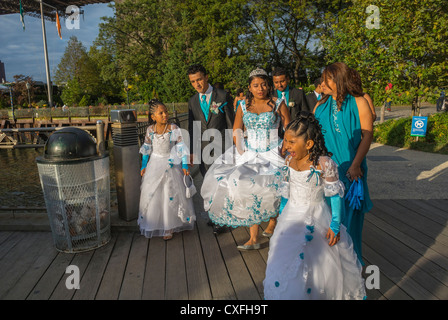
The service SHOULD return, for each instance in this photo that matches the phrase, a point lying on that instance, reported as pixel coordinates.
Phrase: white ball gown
(242, 189)
(301, 265)
(164, 207)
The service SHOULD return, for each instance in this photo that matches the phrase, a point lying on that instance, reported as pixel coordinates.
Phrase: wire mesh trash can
(75, 181)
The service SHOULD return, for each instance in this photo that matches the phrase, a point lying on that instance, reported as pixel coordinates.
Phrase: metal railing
(15, 138)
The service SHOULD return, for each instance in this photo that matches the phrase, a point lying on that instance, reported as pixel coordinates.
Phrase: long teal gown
(342, 133)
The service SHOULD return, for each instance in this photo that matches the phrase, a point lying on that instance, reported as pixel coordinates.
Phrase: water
(19, 180)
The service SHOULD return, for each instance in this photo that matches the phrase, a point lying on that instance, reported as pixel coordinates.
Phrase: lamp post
(28, 87)
(126, 88)
(10, 96)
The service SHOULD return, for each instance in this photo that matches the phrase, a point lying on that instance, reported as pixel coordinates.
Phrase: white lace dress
(242, 189)
(164, 207)
(301, 265)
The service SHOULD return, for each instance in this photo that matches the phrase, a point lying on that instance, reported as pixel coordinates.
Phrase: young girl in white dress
(164, 207)
(311, 255)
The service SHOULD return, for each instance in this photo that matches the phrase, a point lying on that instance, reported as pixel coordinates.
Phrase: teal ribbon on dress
(221, 107)
(313, 172)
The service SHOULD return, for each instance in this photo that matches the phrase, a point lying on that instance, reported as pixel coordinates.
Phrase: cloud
(22, 52)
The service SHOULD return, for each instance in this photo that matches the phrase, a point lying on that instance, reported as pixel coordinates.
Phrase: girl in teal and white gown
(240, 188)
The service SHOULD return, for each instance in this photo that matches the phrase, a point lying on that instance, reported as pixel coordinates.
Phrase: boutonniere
(216, 107)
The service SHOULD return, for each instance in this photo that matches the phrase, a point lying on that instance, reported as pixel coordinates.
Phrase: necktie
(318, 97)
(283, 95)
(204, 106)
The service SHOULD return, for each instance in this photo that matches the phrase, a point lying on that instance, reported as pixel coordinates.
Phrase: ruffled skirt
(302, 266)
(243, 190)
(164, 207)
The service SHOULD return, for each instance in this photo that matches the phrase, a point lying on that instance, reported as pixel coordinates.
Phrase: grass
(397, 132)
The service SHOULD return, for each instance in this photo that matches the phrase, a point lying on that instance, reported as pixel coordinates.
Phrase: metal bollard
(127, 162)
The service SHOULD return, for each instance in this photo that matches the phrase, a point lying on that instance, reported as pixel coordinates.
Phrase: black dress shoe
(218, 229)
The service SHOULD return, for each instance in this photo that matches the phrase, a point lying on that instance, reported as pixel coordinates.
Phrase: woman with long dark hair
(240, 188)
(347, 126)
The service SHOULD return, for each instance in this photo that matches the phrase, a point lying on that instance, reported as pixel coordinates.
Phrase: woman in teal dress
(347, 125)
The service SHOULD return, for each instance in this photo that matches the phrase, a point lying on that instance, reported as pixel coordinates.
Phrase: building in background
(2, 72)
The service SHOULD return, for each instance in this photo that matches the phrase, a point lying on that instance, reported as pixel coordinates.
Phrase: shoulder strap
(243, 106)
(277, 104)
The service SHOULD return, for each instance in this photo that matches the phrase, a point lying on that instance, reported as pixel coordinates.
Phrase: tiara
(258, 72)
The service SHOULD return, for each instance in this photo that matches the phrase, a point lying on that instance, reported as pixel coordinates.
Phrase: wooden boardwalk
(406, 239)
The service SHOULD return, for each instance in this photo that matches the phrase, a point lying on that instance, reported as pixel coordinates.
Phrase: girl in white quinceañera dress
(240, 188)
(311, 255)
(164, 207)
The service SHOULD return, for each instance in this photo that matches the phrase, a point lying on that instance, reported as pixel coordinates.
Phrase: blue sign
(419, 126)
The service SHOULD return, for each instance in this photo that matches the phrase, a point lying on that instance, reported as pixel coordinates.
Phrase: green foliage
(84, 101)
(72, 93)
(398, 133)
(409, 48)
(80, 73)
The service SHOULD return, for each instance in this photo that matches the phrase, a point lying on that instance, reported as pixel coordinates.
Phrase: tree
(70, 65)
(286, 33)
(72, 93)
(20, 91)
(408, 48)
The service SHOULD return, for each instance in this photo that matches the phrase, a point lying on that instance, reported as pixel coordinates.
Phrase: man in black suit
(209, 108)
(314, 96)
(294, 98)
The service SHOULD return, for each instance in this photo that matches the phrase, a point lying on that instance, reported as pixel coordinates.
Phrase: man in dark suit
(314, 96)
(209, 108)
(294, 98)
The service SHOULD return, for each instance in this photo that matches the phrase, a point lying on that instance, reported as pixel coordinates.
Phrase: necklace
(298, 166)
(161, 134)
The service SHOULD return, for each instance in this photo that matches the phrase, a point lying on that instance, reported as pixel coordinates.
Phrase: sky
(22, 52)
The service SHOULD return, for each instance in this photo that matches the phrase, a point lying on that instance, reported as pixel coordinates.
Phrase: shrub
(398, 133)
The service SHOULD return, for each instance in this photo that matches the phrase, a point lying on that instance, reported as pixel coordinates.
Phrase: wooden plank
(18, 261)
(425, 209)
(388, 290)
(423, 271)
(400, 279)
(242, 282)
(50, 279)
(176, 277)
(219, 280)
(264, 251)
(441, 204)
(11, 242)
(410, 236)
(132, 286)
(253, 259)
(80, 260)
(197, 279)
(45, 255)
(113, 275)
(4, 236)
(397, 249)
(154, 283)
(94, 272)
(409, 216)
(374, 294)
